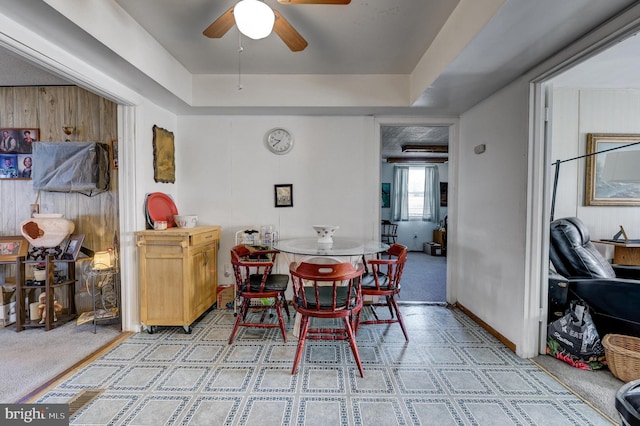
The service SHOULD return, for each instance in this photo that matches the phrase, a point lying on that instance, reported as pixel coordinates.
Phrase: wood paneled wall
(49, 109)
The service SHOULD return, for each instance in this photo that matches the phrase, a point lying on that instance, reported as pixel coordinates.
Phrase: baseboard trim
(410, 303)
(508, 343)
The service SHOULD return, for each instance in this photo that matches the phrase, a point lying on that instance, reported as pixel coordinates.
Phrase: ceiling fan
(256, 20)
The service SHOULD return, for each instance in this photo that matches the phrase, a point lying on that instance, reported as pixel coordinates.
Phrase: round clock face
(279, 141)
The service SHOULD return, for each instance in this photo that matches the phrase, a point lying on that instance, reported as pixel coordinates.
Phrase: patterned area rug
(451, 372)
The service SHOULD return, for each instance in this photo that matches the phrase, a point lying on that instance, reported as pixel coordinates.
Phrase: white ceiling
(615, 68)
(378, 37)
(394, 137)
(365, 37)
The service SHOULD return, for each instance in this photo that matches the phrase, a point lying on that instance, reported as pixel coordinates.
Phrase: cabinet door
(203, 274)
(161, 279)
(210, 275)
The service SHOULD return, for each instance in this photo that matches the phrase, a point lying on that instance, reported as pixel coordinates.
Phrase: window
(416, 194)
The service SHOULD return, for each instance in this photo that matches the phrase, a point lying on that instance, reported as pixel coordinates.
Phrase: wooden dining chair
(326, 291)
(382, 283)
(254, 281)
(389, 232)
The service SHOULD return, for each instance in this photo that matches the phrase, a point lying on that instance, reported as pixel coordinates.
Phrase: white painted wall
(490, 238)
(149, 115)
(226, 175)
(575, 114)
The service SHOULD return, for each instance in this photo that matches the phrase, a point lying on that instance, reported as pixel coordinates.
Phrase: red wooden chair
(383, 282)
(254, 281)
(326, 291)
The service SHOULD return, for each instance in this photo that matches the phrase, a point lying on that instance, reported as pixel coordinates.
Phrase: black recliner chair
(614, 298)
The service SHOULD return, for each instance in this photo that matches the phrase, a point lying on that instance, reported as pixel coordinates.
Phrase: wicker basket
(623, 356)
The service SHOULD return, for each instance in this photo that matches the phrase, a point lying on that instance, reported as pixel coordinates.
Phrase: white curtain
(431, 208)
(400, 198)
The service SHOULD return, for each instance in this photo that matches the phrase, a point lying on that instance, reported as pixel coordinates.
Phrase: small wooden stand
(49, 288)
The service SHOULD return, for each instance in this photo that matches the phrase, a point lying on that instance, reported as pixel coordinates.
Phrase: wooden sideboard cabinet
(178, 275)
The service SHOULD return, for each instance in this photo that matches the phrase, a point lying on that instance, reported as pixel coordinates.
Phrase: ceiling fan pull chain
(240, 50)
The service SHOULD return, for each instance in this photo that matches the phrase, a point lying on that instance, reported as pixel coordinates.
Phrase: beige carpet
(596, 387)
(33, 357)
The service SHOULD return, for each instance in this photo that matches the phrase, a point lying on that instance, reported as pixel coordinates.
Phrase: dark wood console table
(22, 288)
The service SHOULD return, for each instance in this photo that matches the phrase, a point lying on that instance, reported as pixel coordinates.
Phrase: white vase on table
(325, 233)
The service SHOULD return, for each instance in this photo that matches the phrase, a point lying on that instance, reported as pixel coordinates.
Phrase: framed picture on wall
(8, 166)
(18, 140)
(444, 189)
(16, 146)
(283, 195)
(164, 168)
(386, 195)
(612, 172)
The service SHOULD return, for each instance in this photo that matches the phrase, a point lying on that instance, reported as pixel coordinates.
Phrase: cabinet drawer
(204, 238)
(168, 251)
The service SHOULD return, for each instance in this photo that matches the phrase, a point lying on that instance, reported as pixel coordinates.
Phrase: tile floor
(451, 372)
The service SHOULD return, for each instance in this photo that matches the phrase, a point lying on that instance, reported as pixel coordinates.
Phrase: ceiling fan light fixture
(254, 18)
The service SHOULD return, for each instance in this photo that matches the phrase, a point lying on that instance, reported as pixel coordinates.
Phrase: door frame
(540, 177)
(452, 123)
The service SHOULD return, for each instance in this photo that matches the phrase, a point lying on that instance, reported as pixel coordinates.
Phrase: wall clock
(279, 141)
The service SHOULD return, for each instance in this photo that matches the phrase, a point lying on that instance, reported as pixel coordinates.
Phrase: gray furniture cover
(71, 167)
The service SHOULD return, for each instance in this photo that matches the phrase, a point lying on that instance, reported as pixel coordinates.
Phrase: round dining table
(340, 247)
(340, 250)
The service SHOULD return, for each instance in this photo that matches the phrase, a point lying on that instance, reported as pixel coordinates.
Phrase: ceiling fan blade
(288, 34)
(220, 26)
(314, 1)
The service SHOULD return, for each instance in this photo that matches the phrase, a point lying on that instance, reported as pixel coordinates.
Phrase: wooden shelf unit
(49, 288)
(178, 275)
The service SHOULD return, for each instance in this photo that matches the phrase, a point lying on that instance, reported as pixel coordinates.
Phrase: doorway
(417, 144)
(583, 98)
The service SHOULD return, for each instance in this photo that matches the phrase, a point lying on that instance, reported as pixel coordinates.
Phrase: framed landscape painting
(612, 173)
